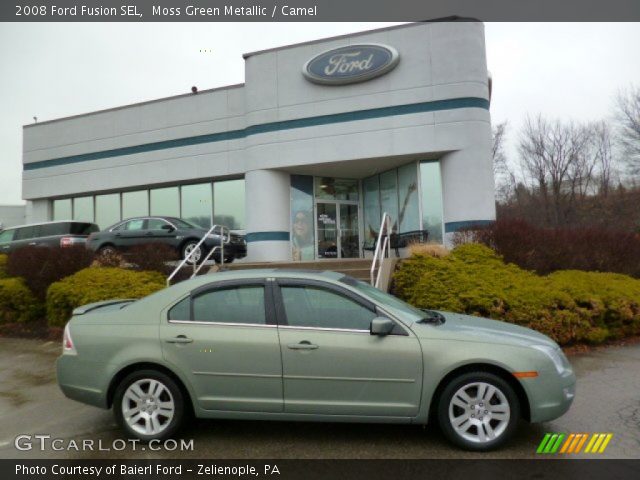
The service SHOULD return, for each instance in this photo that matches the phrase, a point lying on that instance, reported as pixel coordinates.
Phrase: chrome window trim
(325, 329)
(227, 324)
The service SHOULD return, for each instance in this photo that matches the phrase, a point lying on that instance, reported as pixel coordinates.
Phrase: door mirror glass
(381, 326)
(167, 227)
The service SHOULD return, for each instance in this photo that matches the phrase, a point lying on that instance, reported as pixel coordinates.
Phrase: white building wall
(439, 62)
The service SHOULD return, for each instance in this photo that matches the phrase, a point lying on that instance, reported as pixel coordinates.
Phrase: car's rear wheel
(149, 405)
(478, 411)
(107, 251)
(188, 248)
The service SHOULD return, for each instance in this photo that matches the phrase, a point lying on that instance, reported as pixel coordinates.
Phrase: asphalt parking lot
(607, 400)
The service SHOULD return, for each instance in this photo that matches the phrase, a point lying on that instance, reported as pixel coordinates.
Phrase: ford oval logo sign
(351, 64)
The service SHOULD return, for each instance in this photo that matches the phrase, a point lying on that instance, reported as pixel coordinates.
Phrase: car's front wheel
(478, 411)
(149, 405)
(192, 251)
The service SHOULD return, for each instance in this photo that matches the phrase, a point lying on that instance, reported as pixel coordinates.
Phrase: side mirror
(381, 326)
(166, 227)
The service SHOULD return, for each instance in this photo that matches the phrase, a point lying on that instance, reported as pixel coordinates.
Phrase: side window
(134, 225)
(181, 310)
(7, 236)
(155, 224)
(316, 307)
(243, 304)
(24, 233)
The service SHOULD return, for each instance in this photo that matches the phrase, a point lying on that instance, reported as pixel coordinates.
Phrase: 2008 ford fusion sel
(310, 346)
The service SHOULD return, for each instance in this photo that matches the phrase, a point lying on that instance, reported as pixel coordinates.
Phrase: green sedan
(309, 346)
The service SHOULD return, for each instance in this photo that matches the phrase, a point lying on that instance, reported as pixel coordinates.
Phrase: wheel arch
(523, 399)
(122, 374)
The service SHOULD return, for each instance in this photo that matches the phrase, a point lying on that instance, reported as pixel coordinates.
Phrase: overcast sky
(53, 70)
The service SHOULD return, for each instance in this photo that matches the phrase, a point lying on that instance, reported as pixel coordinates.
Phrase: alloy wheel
(479, 412)
(148, 406)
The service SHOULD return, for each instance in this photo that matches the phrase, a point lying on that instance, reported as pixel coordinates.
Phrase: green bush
(17, 303)
(3, 266)
(97, 284)
(570, 306)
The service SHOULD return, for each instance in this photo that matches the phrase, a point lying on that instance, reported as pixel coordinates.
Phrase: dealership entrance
(337, 229)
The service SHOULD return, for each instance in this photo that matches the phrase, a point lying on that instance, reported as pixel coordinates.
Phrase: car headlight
(555, 355)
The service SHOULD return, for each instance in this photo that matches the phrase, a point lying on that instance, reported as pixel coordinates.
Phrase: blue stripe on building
(451, 227)
(267, 237)
(423, 107)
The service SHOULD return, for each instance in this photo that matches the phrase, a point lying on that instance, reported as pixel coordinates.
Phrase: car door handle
(149, 234)
(180, 339)
(118, 235)
(32, 243)
(304, 345)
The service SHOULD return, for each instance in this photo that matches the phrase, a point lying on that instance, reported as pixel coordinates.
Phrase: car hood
(478, 329)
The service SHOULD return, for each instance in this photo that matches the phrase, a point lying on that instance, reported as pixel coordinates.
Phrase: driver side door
(331, 363)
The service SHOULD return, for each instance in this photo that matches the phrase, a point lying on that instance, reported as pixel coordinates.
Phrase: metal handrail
(214, 249)
(383, 248)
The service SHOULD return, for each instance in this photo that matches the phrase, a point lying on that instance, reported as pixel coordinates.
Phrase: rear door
(333, 366)
(129, 234)
(224, 339)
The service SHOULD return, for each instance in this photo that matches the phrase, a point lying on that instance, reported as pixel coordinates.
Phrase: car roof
(221, 276)
(53, 222)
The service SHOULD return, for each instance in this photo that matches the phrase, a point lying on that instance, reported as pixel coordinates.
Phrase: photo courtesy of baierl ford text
(316, 240)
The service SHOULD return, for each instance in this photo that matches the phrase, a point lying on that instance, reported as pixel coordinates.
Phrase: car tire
(187, 247)
(149, 405)
(478, 411)
(107, 251)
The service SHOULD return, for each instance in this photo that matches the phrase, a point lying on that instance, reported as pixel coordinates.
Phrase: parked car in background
(179, 234)
(310, 346)
(50, 234)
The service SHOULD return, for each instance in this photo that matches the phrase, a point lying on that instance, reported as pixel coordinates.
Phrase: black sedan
(175, 232)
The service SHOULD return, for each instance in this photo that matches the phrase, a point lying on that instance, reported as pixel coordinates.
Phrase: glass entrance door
(337, 230)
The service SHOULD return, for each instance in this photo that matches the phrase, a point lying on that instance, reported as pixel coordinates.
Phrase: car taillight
(67, 342)
(66, 241)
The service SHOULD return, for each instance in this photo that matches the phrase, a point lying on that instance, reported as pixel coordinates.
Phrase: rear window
(80, 228)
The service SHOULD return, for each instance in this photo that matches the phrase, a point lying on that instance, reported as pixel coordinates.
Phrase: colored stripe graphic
(572, 443)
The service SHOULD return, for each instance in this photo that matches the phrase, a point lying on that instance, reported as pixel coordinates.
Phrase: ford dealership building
(303, 157)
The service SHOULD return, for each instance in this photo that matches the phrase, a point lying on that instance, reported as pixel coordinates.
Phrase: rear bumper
(550, 394)
(78, 381)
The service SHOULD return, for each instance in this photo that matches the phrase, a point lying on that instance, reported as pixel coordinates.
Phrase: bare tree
(504, 177)
(602, 151)
(628, 118)
(552, 156)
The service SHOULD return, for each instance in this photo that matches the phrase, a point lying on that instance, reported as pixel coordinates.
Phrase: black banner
(322, 469)
(315, 10)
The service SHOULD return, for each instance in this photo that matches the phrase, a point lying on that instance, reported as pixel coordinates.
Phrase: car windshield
(387, 300)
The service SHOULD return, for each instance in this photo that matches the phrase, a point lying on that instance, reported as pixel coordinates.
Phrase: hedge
(570, 306)
(97, 284)
(17, 303)
(3, 266)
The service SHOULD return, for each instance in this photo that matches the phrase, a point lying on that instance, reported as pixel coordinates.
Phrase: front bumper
(550, 394)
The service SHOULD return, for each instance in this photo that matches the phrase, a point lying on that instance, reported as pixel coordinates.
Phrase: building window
(135, 204)
(302, 237)
(431, 189)
(229, 204)
(62, 209)
(408, 208)
(107, 210)
(328, 188)
(196, 204)
(396, 193)
(165, 202)
(372, 214)
(83, 209)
